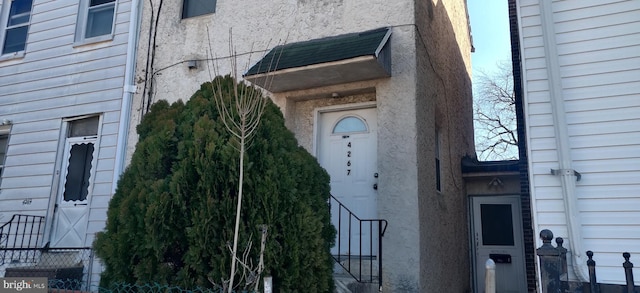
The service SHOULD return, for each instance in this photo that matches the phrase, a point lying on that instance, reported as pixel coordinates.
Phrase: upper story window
(15, 25)
(95, 20)
(191, 8)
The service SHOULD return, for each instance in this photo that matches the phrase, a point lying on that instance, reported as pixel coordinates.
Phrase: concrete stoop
(345, 283)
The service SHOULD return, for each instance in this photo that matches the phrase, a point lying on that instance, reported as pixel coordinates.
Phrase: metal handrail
(21, 232)
(381, 228)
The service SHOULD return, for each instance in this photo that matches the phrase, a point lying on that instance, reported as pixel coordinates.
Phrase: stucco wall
(303, 115)
(256, 26)
(444, 103)
(406, 107)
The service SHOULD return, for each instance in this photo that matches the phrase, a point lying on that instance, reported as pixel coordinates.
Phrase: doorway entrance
(497, 235)
(71, 212)
(347, 149)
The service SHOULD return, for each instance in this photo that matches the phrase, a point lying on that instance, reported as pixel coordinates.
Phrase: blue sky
(490, 30)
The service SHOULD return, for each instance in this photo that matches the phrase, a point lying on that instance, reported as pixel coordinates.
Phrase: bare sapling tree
(241, 115)
(250, 274)
(495, 116)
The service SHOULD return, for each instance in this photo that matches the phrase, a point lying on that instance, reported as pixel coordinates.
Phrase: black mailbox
(500, 258)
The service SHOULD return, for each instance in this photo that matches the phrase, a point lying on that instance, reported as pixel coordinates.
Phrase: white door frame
(57, 186)
(317, 140)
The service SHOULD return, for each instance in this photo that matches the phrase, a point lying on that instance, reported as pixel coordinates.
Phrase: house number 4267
(348, 159)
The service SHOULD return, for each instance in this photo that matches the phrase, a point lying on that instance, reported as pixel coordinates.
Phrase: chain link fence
(68, 270)
(64, 286)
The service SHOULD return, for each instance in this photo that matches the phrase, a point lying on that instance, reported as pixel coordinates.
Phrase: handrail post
(628, 272)
(380, 255)
(360, 248)
(593, 283)
(339, 229)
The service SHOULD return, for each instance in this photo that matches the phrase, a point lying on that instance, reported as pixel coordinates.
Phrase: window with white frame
(95, 20)
(16, 15)
(191, 8)
(4, 143)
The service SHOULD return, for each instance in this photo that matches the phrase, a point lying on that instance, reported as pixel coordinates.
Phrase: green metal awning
(326, 61)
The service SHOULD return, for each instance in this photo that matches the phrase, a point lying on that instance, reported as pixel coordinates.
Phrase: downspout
(568, 176)
(128, 91)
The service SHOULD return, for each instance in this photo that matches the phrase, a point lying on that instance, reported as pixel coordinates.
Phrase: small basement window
(192, 8)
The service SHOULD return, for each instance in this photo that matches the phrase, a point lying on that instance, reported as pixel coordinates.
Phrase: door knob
(375, 186)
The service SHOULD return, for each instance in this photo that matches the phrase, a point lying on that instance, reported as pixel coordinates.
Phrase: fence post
(593, 283)
(564, 272)
(490, 277)
(628, 272)
(550, 264)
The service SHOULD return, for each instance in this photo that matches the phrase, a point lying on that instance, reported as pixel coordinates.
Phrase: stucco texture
(425, 248)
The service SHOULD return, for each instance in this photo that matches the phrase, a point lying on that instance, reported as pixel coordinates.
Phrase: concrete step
(365, 268)
(345, 283)
(349, 285)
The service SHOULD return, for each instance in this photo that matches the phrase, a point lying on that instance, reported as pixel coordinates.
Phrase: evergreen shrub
(173, 213)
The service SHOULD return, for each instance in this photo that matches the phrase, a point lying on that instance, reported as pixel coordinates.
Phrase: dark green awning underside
(366, 52)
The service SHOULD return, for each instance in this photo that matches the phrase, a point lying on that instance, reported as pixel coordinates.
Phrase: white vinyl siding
(598, 46)
(55, 80)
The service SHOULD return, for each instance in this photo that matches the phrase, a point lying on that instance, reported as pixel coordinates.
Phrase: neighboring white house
(397, 73)
(65, 92)
(580, 70)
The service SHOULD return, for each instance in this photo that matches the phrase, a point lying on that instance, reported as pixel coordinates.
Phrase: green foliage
(174, 209)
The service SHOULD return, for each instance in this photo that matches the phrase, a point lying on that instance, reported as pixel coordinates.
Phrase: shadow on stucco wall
(444, 105)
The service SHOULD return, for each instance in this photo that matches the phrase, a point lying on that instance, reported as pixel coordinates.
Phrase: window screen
(77, 182)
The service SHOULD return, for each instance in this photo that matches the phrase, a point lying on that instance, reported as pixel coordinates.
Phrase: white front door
(497, 230)
(71, 213)
(347, 149)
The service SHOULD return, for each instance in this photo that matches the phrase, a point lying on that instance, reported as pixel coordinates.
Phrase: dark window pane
(84, 127)
(99, 21)
(20, 11)
(497, 224)
(15, 39)
(3, 147)
(98, 2)
(438, 178)
(76, 186)
(191, 8)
